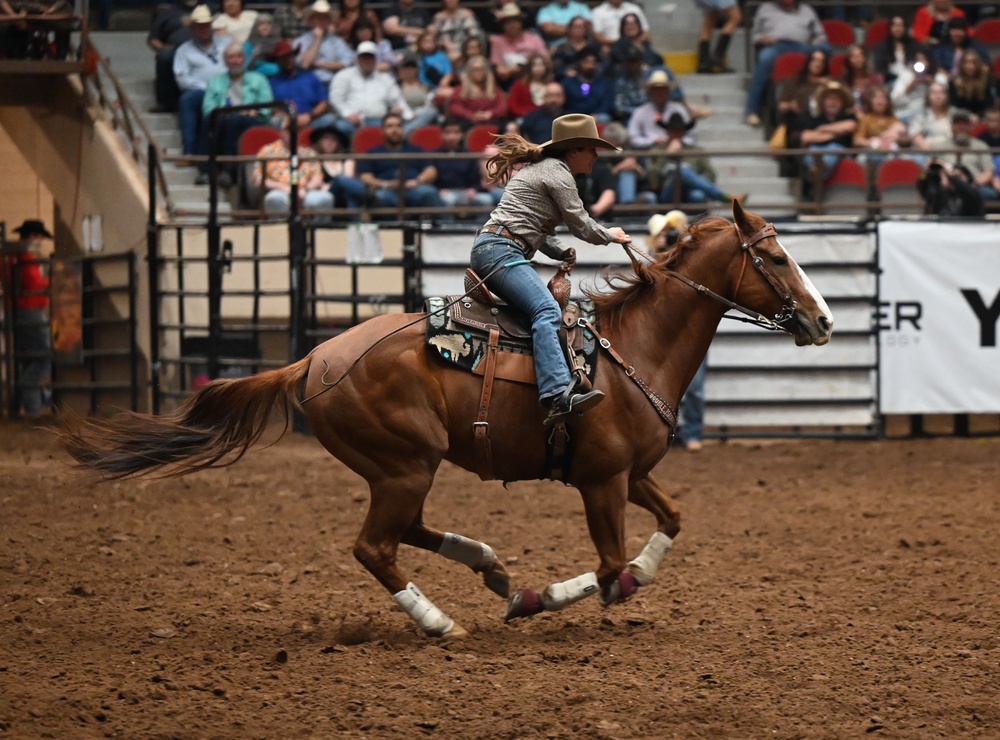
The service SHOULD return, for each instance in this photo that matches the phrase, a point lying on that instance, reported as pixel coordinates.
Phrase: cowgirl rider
(538, 197)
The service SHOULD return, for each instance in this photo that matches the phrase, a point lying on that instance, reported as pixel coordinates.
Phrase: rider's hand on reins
(568, 258)
(618, 236)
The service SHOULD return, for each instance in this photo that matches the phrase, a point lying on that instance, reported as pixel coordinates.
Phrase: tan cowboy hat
(676, 220)
(576, 131)
(201, 14)
(509, 10)
(659, 78)
(835, 88)
(320, 6)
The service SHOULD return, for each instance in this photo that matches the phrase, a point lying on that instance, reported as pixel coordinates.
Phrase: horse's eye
(779, 261)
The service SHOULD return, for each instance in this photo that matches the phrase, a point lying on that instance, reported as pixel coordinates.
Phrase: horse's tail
(214, 427)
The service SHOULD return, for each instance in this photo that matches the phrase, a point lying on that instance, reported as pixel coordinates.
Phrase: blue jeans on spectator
(628, 189)
(33, 347)
(420, 195)
(765, 63)
(522, 288)
(692, 410)
(189, 108)
(455, 198)
(695, 188)
(829, 160)
(348, 192)
(278, 201)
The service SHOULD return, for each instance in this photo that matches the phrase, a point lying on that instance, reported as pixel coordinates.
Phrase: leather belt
(507, 234)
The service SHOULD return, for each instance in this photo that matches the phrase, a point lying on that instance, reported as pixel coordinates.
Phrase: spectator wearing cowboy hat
(322, 50)
(362, 96)
(195, 64)
(301, 87)
(510, 50)
(339, 175)
(26, 286)
(644, 127)
(170, 29)
(829, 131)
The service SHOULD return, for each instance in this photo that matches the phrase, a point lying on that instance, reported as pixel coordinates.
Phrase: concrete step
(745, 167)
(715, 84)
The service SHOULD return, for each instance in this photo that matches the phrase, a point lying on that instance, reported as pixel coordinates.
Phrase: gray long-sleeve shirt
(539, 198)
(800, 24)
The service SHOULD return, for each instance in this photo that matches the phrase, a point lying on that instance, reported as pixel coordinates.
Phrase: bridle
(747, 245)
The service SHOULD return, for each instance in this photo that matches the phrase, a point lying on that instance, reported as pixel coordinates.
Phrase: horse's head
(772, 284)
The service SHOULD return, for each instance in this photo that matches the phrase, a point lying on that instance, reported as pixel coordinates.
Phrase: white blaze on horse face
(821, 304)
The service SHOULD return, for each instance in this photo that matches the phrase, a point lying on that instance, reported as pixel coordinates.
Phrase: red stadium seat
(996, 67)
(428, 138)
(847, 185)
(896, 184)
(480, 137)
(987, 31)
(787, 65)
(837, 64)
(877, 32)
(840, 34)
(304, 135)
(367, 138)
(257, 137)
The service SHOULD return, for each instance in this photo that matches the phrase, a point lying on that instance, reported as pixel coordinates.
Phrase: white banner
(938, 318)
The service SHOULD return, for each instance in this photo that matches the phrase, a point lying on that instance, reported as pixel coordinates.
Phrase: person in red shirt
(26, 286)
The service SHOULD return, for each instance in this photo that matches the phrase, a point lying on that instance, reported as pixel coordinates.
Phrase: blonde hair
(513, 151)
(470, 89)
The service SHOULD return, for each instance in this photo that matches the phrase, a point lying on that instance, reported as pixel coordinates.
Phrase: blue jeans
(692, 409)
(420, 196)
(522, 288)
(189, 109)
(695, 188)
(348, 192)
(829, 161)
(33, 347)
(765, 63)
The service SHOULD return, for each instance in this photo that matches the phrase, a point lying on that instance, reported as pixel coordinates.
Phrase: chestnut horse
(381, 403)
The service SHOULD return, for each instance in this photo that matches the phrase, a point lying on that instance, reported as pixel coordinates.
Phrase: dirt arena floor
(819, 589)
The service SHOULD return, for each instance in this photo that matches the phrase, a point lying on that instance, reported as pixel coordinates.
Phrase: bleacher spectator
(478, 99)
(693, 179)
(828, 132)
(382, 175)
(351, 11)
(878, 127)
(418, 96)
(454, 24)
(976, 157)
(459, 181)
(234, 21)
(796, 96)
(632, 37)
(554, 18)
(273, 172)
(169, 30)
(598, 189)
(259, 48)
(971, 88)
(991, 137)
(196, 62)
(404, 22)
(909, 91)
(235, 86)
(716, 13)
(339, 175)
(321, 50)
(934, 124)
(362, 96)
(780, 26)
(292, 19)
(578, 37)
(301, 87)
(858, 75)
(364, 30)
(22, 38)
(631, 184)
(644, 126)
(536, 127)
(509, 51)
(607, 20)
(589, 91)
(949, 191)
(948, 54)
(435, 65)
(896, 52)
(930, 24)
(629, 86)
(527, 92)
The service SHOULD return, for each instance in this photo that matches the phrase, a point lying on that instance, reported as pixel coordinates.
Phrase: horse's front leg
(604, 505)
(650, 495)
(478, 556)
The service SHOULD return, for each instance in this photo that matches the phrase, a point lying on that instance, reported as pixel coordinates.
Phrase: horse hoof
(524, 603)
(620, 589)
(497, 580)
(457, 632)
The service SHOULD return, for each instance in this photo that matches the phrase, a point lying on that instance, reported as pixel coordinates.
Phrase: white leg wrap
(432, 620)
(645, 566)
(557, 596)
(477, 555)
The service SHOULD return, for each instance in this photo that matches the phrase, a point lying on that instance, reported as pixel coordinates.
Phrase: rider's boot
(570, 402)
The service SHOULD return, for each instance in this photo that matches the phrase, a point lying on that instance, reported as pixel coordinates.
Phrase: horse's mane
(618, 291)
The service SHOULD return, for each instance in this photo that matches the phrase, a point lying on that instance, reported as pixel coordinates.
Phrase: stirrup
(571, 402)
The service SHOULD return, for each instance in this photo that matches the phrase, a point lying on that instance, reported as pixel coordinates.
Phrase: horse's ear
(739, 215)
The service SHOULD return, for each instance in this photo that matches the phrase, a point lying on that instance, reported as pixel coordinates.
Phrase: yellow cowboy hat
(576, 131)
(658, 222)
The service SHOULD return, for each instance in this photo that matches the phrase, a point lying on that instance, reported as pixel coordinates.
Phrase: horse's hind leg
(650, 495)
(395, 504)
(479, 556)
